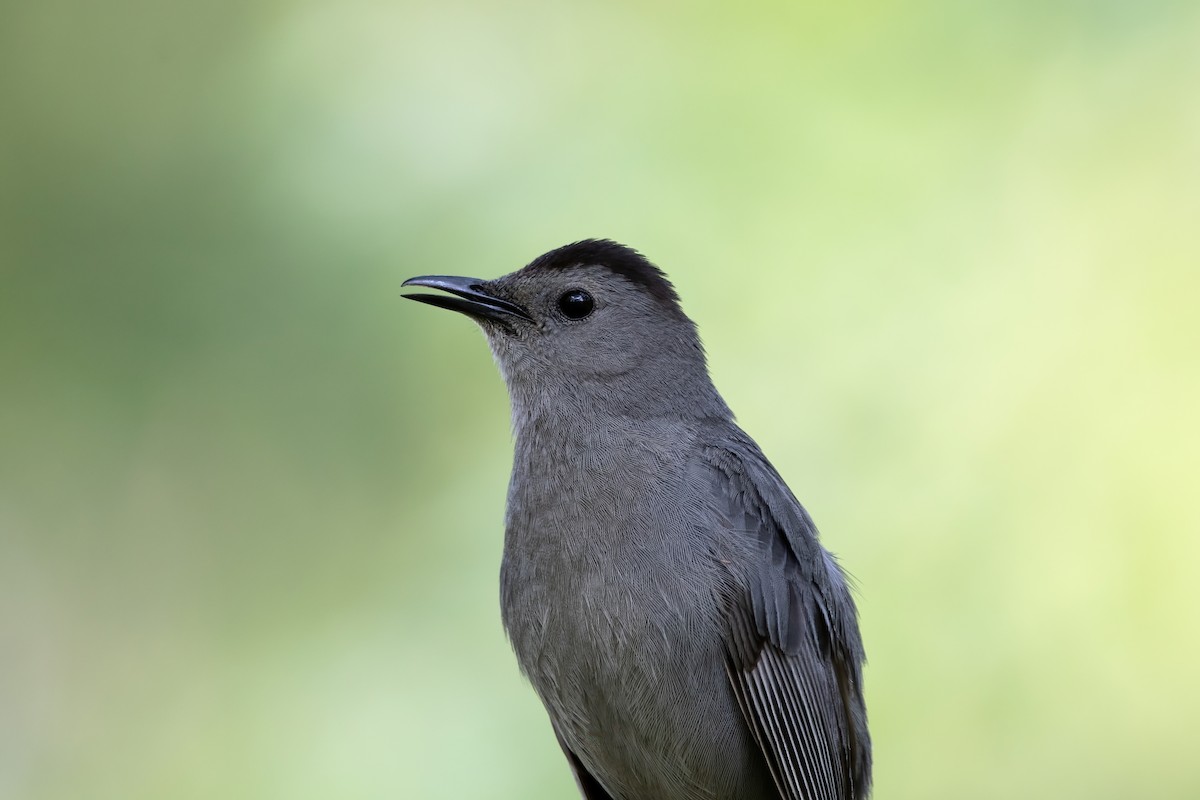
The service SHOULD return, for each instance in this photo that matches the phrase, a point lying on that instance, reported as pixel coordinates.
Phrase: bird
(662, 588)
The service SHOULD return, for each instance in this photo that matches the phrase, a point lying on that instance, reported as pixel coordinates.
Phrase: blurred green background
(945, 257)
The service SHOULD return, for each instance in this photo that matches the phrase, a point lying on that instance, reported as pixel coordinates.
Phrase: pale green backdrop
(945, 256)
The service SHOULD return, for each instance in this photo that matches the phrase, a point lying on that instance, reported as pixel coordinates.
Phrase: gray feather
(663, 590)
(795, 654)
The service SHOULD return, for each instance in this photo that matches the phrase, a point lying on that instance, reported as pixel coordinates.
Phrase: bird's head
(592, 325)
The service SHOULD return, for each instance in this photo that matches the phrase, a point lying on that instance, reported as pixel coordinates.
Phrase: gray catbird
(663, 589)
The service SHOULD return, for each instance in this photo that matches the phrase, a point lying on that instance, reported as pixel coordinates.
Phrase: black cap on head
(622, 260)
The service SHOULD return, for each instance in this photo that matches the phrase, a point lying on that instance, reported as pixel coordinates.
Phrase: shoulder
(748, 485)
(783, 560)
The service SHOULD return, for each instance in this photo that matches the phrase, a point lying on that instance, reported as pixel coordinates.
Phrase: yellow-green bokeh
(945, 257)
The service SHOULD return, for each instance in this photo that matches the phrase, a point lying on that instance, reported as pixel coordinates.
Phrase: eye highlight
(576, 304)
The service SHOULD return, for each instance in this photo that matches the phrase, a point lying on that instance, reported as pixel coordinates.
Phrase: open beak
(467, 295)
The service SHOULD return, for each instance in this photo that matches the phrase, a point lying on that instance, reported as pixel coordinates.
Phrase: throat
(586, 410)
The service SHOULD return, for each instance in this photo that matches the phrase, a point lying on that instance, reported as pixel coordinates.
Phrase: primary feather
(794, 656)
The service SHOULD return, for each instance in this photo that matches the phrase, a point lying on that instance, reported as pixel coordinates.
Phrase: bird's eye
(576, 304)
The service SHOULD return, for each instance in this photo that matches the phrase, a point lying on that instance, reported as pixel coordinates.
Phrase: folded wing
(794, 654)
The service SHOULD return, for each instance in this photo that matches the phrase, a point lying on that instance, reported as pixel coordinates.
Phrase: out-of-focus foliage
(945, 257)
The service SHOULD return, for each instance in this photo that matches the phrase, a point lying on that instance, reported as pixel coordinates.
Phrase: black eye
(576, 304)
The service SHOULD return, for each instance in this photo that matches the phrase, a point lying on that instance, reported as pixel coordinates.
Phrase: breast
(609, 599)
(625, 602)
(632, 674)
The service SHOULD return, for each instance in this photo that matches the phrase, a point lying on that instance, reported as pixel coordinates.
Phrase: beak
(467, 295)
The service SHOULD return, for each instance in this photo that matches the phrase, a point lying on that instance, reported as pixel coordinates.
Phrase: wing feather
(794, 652)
